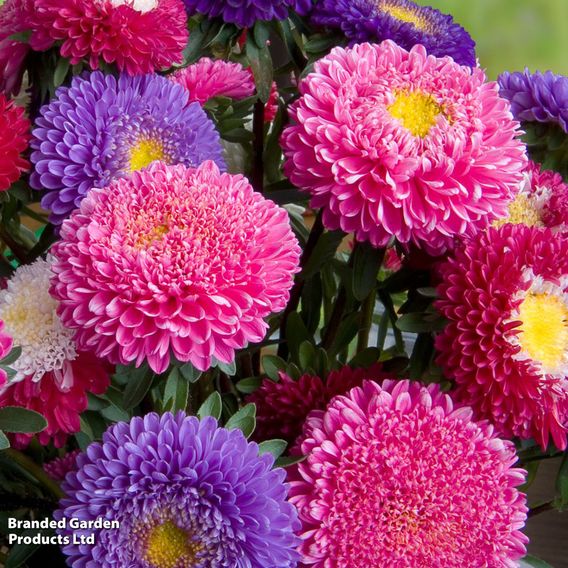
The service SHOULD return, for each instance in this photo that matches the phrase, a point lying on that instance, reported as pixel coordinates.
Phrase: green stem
(368, 309)
(548, 506)
(36, 471)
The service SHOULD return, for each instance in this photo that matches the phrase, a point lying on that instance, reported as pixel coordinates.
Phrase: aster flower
(58, 468)
(402, 21)
(14, 136)
(6, 344)
(245, 13)
(397, 476)
(399, 144)
(542, 200)
(185, 493)
(282, 407)
(536, 97)
(208, 78)
(173, 261)
(101, 128)
(139, 36)
(52, 376)
(14, 18)
(505, 295)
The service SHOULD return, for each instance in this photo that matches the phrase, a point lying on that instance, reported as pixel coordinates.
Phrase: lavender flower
(403, 21)
(101, 128)
(185, 493)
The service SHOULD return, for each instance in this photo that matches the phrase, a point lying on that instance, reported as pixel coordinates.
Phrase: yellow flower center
(416, 110)
(405, 15)
(168, 546)
(544, 330)
(144, 152)
(522, 211)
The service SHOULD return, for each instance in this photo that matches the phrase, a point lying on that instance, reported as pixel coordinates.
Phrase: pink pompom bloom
(542, 200)
(505, 295)
(173, 261)
(396, 476)
(139, 36)
(397, 143)
(5, 348)
(210, 78)
(58, 468)
(282, 407)
(14, 138)
(14, 18)
(52, 376)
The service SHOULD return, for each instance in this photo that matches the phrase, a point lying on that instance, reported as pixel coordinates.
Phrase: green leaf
(261, 65)
(307, 355)
(296, 334)
(213, 406)
(21, 420)
(12, 357)
(275, 447)
(366, 264)
(4, 442)
(365, 358)
(19, 553)
(428, 292)
(248, 385)
(287, 461)
(139, 383)
(229, 369)
(323, 252)
(61, 71)
(561, 501)
(189, 372)
(271, 365)
(244, 419)
(421, 322)
(348, 329)
(176, 390)
(534, 562)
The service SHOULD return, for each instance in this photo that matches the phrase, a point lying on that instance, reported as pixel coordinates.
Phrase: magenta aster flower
(282, 407)
(58, 468)
(139, 36)
(14, 137)
(52, 375)
(173, 261)
(183, 493)
(542, 200)
(397, 476)
(397, 143)
(6, 344)
(210, 78)
(505, 295)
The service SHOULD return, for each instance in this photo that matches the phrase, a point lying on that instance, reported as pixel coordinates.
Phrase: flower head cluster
(173, 261)
(101, 128)
(397, 476)
(400, 144)
(184, 493)
(402, 21)
(542, 200)
(52, 376)
(245, 13)
(6, 344)
(505, 295)
(58, 468)
(14, 137)
(282, 407)
(540, 97)
(139, 36)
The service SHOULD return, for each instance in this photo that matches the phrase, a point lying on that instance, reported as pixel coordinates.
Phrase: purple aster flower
(102, 127)
(185, 493)
(245, 13)
(402, 21)
(540, 97)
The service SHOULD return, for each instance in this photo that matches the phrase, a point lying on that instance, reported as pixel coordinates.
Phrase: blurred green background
(514, 34)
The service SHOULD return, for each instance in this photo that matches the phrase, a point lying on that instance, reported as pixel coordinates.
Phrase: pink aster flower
(397, 143)
(52, 376)
(542, 200)
(282, 407)
(396, 476)
(210, 78)
(139, 36)
(5, 348)
(58, 468)
(14, 138)
(505, 295)
(173, 261)
(14, 18)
